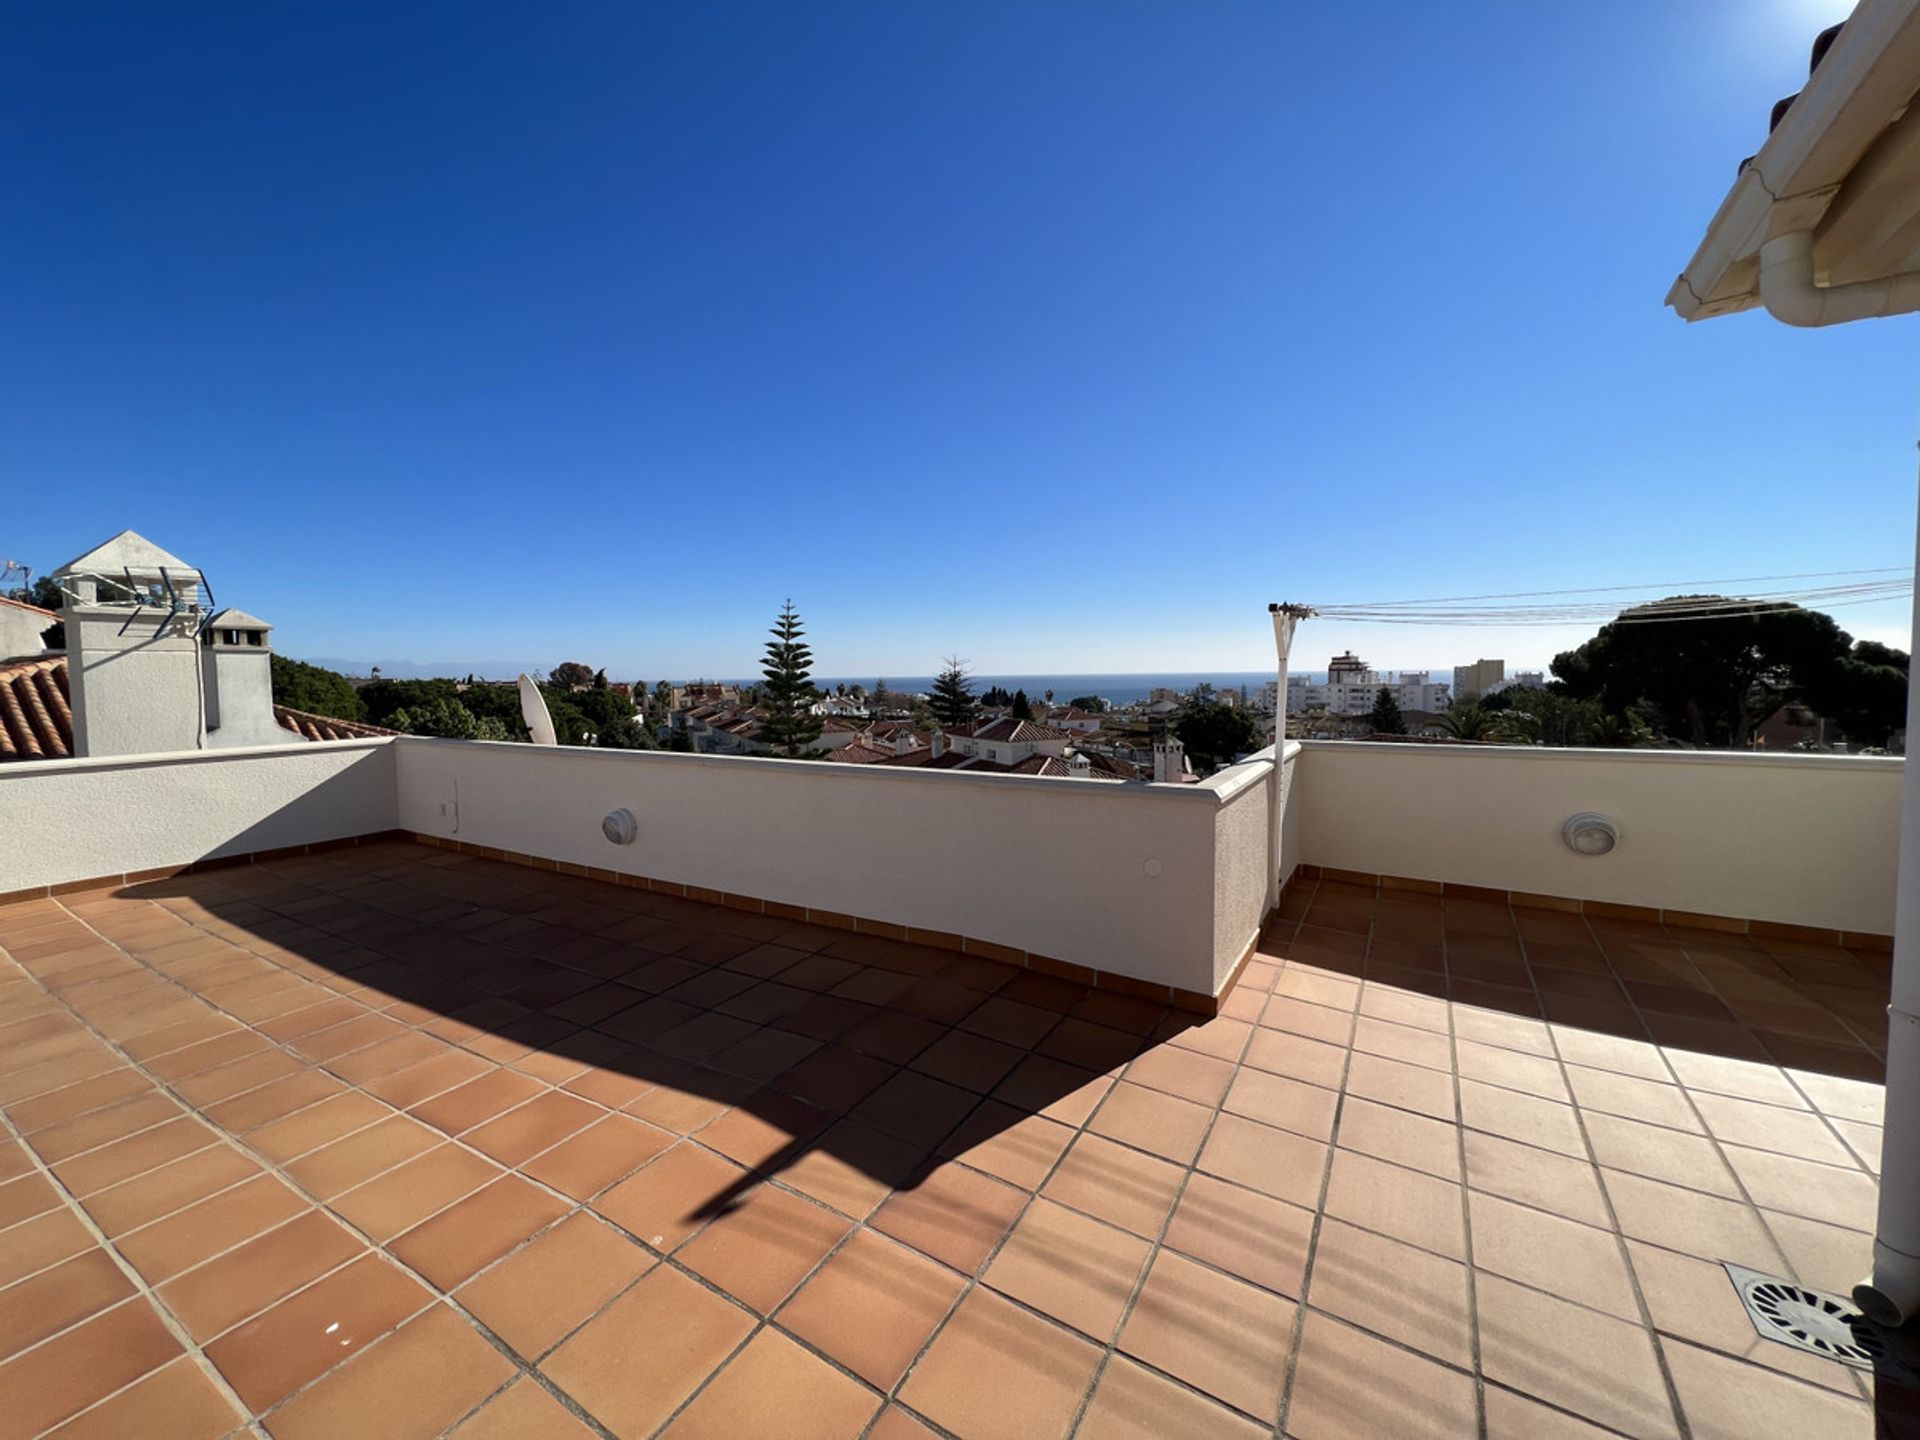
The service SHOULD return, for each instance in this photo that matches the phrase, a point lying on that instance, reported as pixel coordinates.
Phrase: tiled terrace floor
(395, 1142)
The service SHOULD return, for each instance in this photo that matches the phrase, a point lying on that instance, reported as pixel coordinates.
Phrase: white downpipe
(1285, 618)
(1788, 291)
(1891, 1295)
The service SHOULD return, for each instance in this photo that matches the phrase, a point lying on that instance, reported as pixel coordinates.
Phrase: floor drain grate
(1814, 1321)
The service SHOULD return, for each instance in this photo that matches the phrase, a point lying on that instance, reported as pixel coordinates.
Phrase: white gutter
(1791, 297)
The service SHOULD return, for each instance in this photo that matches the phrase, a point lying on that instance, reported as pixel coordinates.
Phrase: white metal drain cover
(1814, 1321)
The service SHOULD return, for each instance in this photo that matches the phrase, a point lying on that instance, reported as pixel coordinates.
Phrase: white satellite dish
(533, 709)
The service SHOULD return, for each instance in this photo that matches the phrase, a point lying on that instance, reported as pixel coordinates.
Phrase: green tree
(1386, 717)
(1022, 707)
(787, 695)
(1467, 721)
(1215, 734)
(570, 675)
(679, 741)
(1865, 694)
(952, 702)
(1707, 674)
(314, 689)
(447, 719)
(1092, 704)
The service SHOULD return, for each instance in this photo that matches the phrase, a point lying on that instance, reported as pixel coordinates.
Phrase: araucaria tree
(1387, 719)
(952, 701)
(789, 725)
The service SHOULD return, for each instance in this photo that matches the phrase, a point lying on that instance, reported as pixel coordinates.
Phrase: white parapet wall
(72, 820)
(1126, 879)
(1799, 839)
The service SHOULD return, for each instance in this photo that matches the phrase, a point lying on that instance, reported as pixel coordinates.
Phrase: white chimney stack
(939, 743)
(237, 671)
(1169, 760)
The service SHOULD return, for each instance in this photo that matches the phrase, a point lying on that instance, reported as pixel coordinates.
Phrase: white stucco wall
(1243, 842)
(1118, 877)
(20, 631)
(64, 820)
(1803, 839)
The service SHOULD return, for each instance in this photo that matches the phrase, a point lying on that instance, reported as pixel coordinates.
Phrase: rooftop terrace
(395, 1140)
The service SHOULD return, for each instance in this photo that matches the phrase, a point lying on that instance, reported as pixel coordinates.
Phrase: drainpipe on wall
(1891, 1295)
(1285, 619)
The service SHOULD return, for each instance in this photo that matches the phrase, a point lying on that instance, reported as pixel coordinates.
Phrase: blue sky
(1060, 336)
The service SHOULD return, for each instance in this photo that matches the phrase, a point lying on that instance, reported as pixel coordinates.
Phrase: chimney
(1079, 767)
(237, 672)
(133, 618)
(939, 743)
(1169, 760)
(904, 742)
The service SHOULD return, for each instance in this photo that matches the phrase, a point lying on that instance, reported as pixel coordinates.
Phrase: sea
(1114, 689)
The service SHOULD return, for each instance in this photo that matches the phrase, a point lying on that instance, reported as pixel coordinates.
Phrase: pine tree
(952, 701)
(1386, 714)
(1022, 707)
(789, 725)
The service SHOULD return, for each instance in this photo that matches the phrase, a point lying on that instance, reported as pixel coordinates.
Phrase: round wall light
(620, 827)
(1590, 833)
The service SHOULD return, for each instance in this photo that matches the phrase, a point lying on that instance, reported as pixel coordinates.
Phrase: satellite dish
(533, 709)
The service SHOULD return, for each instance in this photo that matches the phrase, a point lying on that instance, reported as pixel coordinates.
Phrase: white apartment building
(1351, 688)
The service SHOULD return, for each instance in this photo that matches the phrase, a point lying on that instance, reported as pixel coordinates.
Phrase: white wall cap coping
(1608, 756)
(68, 765)
(130, 551)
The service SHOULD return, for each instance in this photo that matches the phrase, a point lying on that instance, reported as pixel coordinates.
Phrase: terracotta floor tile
(853, 1168)
(1350, 1386)
(337, 1168)
(1658, 1153)
(115, 1086)
(1061, 1092)
(763, 1129)
(162, 1191)
(317, 1125)
(972, 1062)
(45, 1240)
(204, 1229)
(1155, 1121)
(465, 1106)
(1403, 1204)
(417, 1381)
(1395, 1290)
(1541, 1178)
(1199, 1078)
(1041, 1373)
(1243, 1232)
(63, 1376)
(1218, 1334)
(1516, 1417)
(1010, 1144)
(536, 1296)
(773, 1387)
(1075, 1269)
(1400, 1136)
(1553, 1253)
(1299, 1057)
(683, 1329)
(916, 1108)
(1685, 1220)
(304, 1336)
(1282, 1102)
(253, 1275)
(1132, 1403)
(1846, 1197)
(1121, 1186)
(135, 1155)
(476, 1231)
(26, 1197)
(1277, 1162)
(175, 1402)
(872, 1306)
(1517, 1116)
(1825, 1256)
(523, 1411)
(1799, 1133)
(760, 1250)
(674, 1195)
(525, 1131)
(592, 1159)
(404, 1196)
(1572, 1357)
(693, 1099)
(236, 1078)
(54, 1299)
(1632, 1098)
(100, 1127)
(953, 1214)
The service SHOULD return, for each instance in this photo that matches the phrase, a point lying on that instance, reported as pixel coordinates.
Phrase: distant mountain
(494, 669)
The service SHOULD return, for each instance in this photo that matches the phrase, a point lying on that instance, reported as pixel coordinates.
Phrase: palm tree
(1467, 722)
